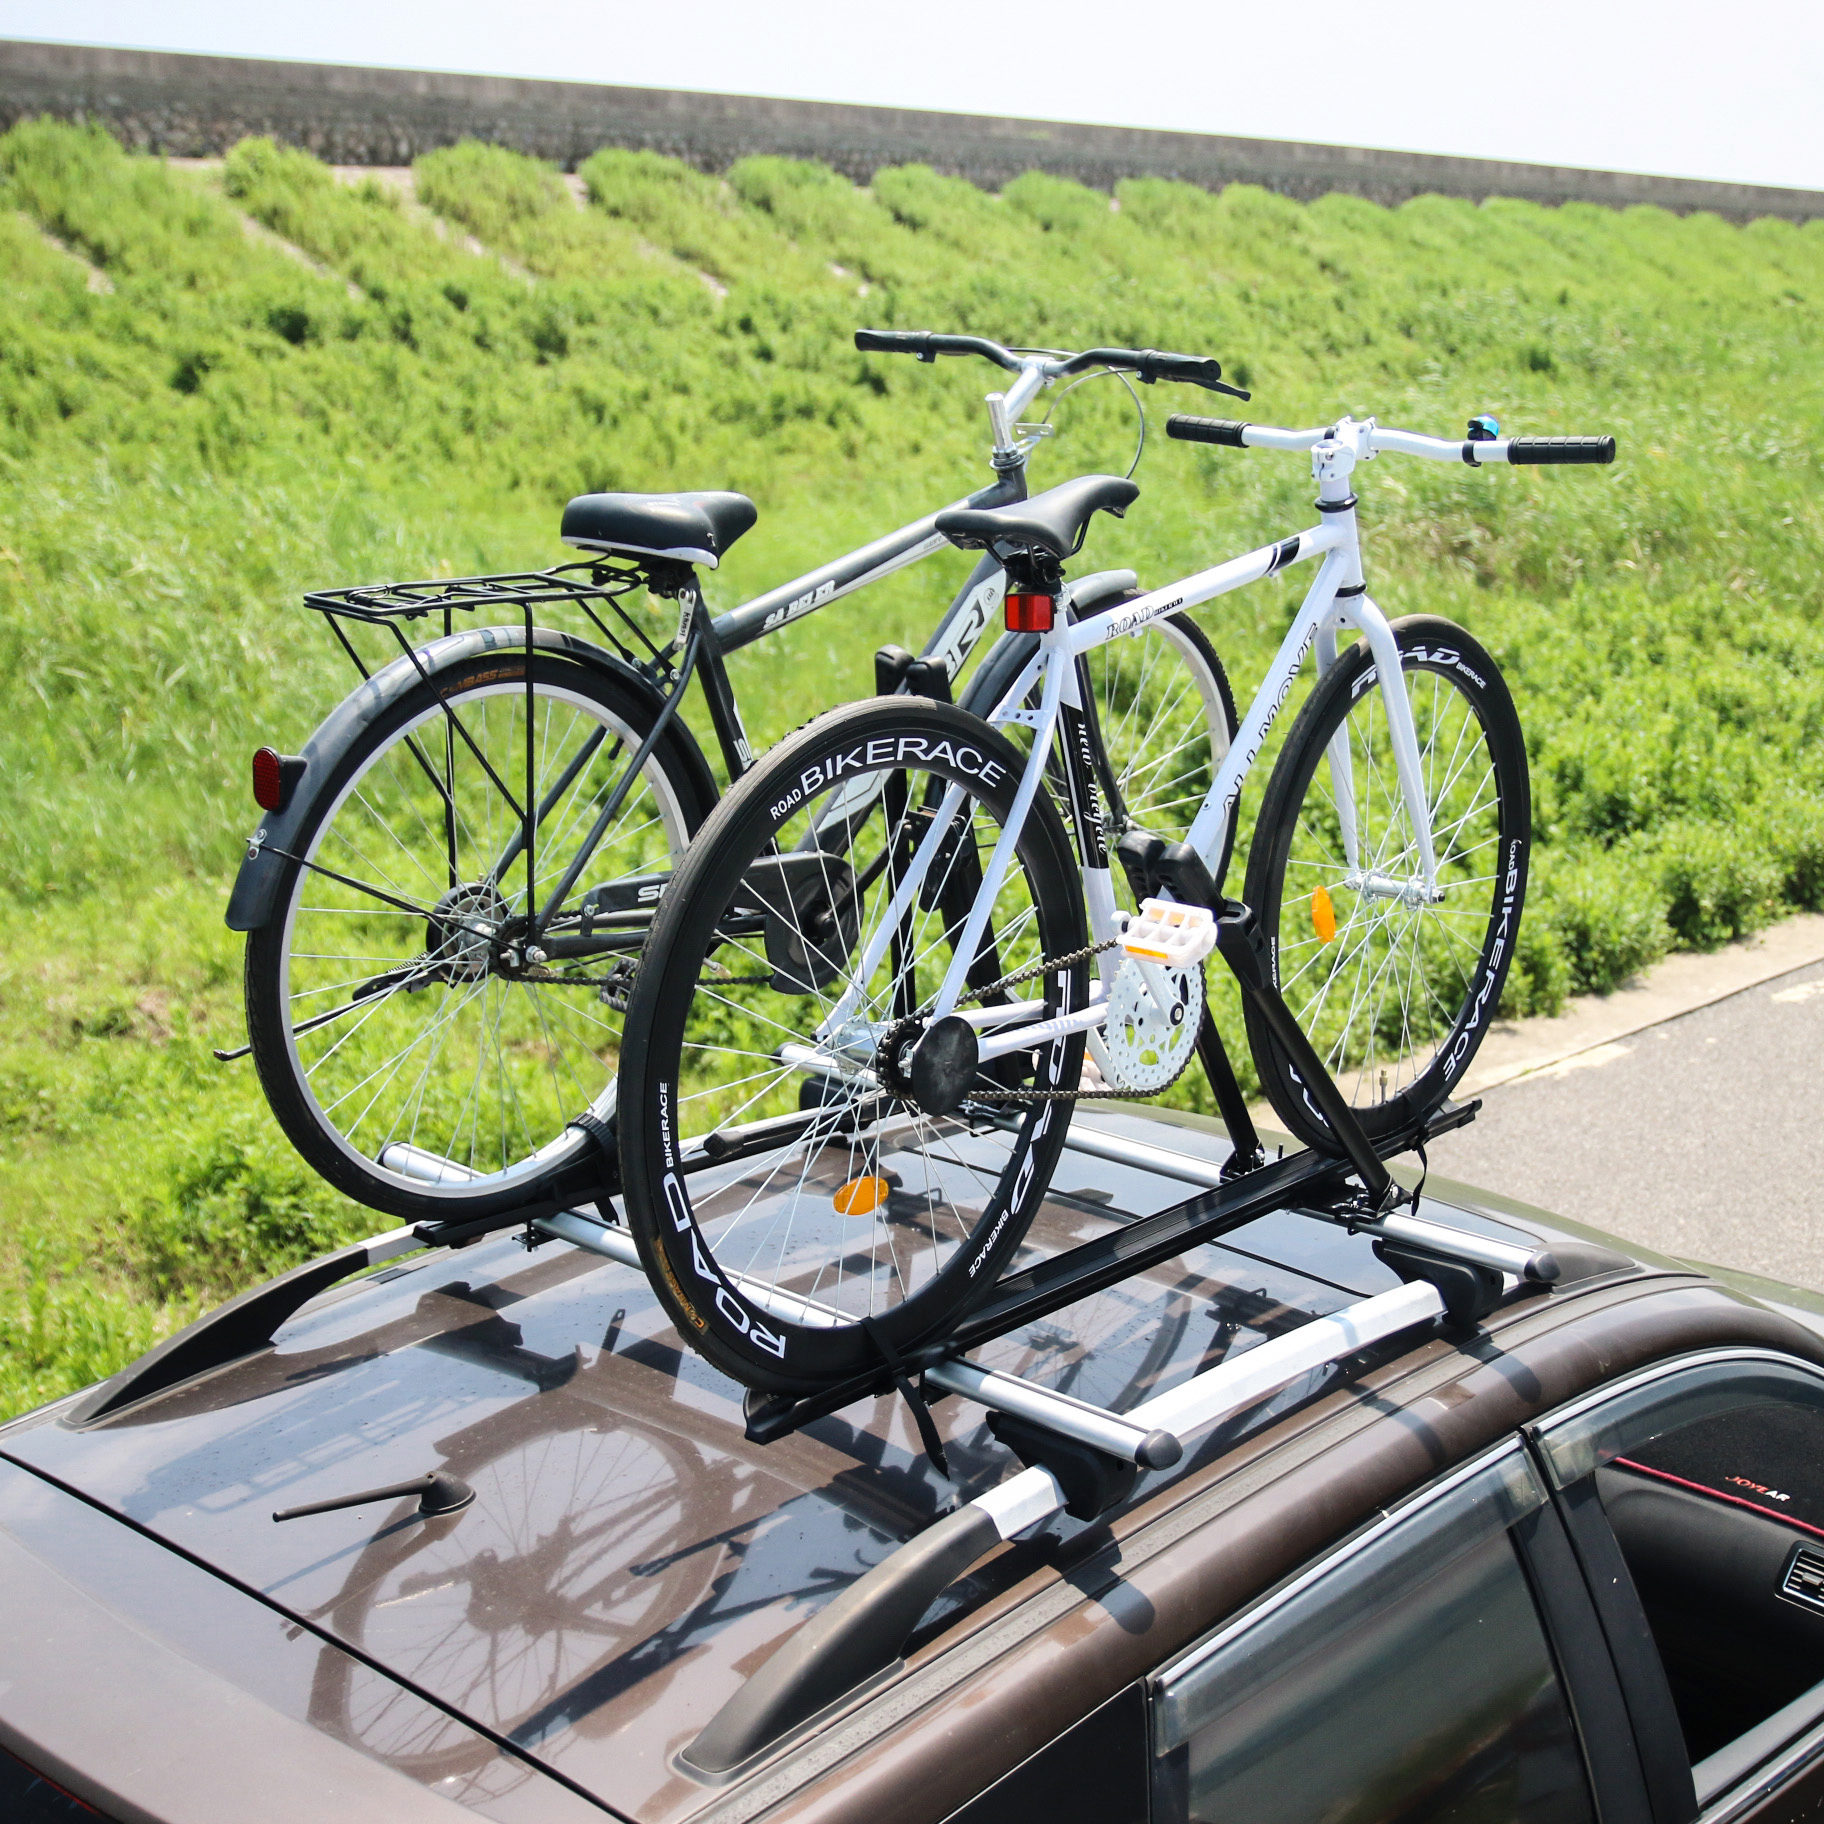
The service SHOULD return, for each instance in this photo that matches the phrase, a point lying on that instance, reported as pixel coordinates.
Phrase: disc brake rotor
(1148, 1045)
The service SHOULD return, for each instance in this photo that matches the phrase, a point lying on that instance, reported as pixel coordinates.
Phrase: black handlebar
(1525, 450)
(1148, 363)
(927, 346)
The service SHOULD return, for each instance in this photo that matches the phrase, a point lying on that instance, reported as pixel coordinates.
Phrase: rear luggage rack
(593, 586)
(443, 595)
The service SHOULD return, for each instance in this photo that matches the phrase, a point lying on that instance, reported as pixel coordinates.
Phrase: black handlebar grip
(1205, 430)
(1535, 450)
(897, 342)
(927, 346)
(1153, 364)
(1197, 370)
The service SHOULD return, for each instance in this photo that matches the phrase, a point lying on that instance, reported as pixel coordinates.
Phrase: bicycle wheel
(1395, 992)
(801, 1186)
(1166, 717)
(412, 1051)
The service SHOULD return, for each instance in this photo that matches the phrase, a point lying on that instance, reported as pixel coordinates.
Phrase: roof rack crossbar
(864, 1630)
(1533, 1264)
(1537, 1266)
(1110, 1432)
(607, 1239)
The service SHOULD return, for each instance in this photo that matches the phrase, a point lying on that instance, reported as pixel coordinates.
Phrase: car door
(1693, 1496)
(1410, 1675)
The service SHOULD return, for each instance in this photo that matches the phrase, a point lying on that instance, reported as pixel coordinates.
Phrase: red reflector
(268, 780)
(1029, 613)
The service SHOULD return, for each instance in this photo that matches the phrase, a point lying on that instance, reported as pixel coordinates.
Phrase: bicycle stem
(1004, 409)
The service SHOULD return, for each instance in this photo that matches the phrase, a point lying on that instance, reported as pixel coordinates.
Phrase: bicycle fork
(1402, 735)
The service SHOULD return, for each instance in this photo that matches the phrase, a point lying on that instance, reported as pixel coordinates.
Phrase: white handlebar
(1439, 449)
(1403, 443)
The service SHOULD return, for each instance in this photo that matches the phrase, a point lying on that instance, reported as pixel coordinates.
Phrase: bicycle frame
(1337, 599)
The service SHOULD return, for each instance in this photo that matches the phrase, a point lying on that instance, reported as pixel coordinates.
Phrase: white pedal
(1166, 932)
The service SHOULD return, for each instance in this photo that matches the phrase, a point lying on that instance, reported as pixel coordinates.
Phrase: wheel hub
(1409, 892)
(461, 934)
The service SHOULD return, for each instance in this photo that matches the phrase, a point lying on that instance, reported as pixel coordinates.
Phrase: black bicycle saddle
(1053, 522)
(687, 528)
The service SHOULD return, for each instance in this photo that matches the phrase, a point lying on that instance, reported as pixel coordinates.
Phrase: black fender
(995, 675)
(256, 886)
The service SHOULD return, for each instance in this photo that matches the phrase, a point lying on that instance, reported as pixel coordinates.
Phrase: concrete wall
(199, 106)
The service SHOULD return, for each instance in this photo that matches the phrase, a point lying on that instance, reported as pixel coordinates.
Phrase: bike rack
(1465, 1274)
(1082, 1459)
(1078, 1458)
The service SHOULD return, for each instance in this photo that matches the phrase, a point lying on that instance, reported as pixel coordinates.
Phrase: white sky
(1714, 91)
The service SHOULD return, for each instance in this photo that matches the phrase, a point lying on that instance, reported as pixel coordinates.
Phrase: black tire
(946, 1198)
(1165, 713)
(1417, 985)
(485, 1038)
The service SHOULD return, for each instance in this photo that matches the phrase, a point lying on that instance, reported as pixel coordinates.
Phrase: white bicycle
(858, 1070)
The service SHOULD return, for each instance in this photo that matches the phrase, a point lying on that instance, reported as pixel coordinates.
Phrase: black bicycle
(447, 895)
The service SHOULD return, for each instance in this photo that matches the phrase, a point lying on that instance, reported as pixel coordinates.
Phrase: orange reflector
(1323, 915)
(1029, 613)
(861, 1196)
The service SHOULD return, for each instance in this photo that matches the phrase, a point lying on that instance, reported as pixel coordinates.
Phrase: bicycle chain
(1029, 973)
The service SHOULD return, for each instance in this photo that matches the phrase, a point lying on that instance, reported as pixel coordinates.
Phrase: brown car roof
(631, 1558)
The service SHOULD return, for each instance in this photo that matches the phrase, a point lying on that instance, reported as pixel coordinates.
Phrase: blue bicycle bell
(1484, 428)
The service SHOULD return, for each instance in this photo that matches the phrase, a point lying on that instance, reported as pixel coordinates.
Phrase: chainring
(1147, 1047)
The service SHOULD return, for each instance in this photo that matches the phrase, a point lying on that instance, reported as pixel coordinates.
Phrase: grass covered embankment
(196, 424)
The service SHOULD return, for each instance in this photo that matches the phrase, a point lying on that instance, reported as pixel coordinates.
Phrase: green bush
(1715, 888)
(236, 1205)
(1539, 976)
(1609, 917)
(1796, 835)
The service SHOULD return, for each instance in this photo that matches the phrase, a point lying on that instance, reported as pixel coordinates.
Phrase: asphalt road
(1702, 1137)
